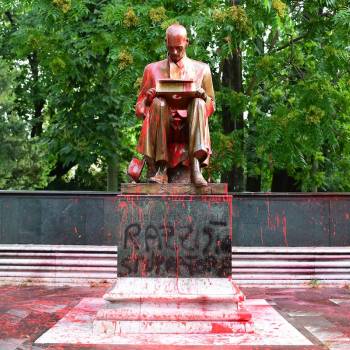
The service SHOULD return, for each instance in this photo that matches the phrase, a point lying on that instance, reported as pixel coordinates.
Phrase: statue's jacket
(187, 69)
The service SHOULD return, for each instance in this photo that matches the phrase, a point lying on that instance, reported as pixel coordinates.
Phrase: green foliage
(22, 160)
(78, 66)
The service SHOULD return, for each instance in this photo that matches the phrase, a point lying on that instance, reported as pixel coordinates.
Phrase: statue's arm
(207, 85)
(141, 107)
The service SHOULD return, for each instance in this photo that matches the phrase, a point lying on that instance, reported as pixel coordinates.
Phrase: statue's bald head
(177, 31)
(176, 41)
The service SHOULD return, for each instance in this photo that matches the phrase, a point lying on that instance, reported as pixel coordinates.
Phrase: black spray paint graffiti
(169, 250)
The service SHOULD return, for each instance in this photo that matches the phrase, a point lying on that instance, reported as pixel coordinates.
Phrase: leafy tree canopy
(71, 70)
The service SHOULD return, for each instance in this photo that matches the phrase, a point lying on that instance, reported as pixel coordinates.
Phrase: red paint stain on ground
(219, 328)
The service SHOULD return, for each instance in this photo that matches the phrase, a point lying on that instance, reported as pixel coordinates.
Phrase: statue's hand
(200, 93)
(150, 95)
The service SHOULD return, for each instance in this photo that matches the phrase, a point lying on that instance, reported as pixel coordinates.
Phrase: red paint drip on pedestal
(284, 222)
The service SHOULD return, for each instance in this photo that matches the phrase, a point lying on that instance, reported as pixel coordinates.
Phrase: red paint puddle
(219, 328)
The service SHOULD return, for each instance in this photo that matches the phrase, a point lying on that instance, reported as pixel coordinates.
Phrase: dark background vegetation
(70, 73)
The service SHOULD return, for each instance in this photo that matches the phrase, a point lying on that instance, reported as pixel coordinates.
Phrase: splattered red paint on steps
(219, 328)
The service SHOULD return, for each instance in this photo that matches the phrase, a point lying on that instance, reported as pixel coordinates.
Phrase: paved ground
(320, 314)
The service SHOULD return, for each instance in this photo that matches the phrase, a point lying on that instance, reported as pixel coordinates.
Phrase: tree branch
(251, 85)
(289, 43)
(274, 40)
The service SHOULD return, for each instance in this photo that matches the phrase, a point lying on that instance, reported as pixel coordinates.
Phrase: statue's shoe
(197, 179)
(196, 175)
(159, 178)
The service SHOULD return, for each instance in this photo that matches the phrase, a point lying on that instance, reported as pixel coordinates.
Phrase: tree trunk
(253, 183)
(314, 172)
(282, 182)
(57, 172)
(38, 102)
(112, 174)
(232, 78)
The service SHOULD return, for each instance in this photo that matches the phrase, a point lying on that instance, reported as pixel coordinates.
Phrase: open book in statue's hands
(177, 92)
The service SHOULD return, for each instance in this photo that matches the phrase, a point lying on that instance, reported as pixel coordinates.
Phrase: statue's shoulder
(156, 65)
(199, 64)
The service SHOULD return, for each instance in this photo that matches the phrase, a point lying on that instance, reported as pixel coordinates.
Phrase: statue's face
(176, 45)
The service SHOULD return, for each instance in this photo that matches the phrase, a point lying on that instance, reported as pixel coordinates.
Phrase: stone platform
(170, 289)
(271, 330)
(56, 318)
(173, 188)
(173, 306)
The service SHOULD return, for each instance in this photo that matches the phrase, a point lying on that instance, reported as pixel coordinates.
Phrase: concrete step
(174, 311)
(290, 265)
(57, 264)
(110, 328)
(174, 289)
(173, 305)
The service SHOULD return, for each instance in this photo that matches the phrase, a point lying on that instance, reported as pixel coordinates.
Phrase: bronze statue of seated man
(173, 136)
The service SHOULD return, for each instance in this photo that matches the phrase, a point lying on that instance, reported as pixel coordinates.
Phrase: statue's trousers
(154, 138)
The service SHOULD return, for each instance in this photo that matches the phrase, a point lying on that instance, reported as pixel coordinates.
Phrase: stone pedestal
(174, 264)
(171, 305)
(174, 235)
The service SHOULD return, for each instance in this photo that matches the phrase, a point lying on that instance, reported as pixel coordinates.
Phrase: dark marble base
(174, 236)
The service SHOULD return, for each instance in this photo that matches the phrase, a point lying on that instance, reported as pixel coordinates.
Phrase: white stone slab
(173, 311)
(344, 346)
(328, 336)
(10, 343)
(304, 314)
(170, 289)
(101, 327)
(46, 308)
(340, 301)
(270, 328)
(18, 313)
